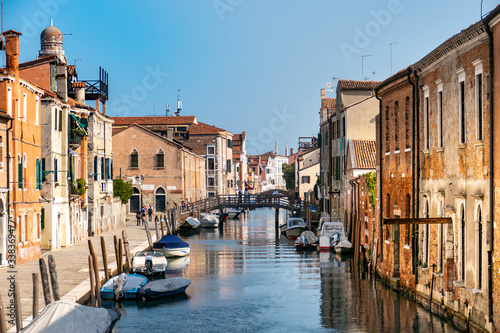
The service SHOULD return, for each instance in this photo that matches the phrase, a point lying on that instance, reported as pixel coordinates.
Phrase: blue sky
(242, 65)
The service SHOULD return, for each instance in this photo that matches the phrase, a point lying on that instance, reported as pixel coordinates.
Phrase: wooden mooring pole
(161, 225)
(45, 281)
(17, 307)
(148, 235)
(117, 258)
(157, 228)
(92, 282)
(104, 259)
(120, 256)
(3, 324)
(53, 278)
(35, 295)
(126, 248)
(97, 281)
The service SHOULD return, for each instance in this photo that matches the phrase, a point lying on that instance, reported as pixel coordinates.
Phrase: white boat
(332, 236)
(172, 246)
(125, 286)
(293, 227)
(67, 316)
(209, 221)
(189, 224)
(149, 262)
(306, 241)
(165, 287)
(233, 212)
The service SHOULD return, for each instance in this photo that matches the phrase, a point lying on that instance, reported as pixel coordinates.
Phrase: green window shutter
(95, 167)
(60, 120)
(107, 173)
(42, 219)
(72, 168)
(20, 174)
(327, 138)
(228, 165)
(37, 174)
(42, 176)
(319, 140)
(102, 175)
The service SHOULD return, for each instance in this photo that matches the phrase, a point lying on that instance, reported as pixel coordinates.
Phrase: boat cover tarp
(209, 219)
(194, 222)
(310, 236)
(66, 316)
(167, 285)
(170, 242)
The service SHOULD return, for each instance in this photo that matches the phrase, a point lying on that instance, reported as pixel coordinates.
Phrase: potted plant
(81, 186)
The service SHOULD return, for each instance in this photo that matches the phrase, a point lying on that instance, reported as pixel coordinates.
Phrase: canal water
(243, 280)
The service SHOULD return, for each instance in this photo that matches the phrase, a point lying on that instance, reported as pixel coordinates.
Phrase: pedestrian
(150, 213)
(143, 216)
(240, 194)
(138, 217)
(246, 195)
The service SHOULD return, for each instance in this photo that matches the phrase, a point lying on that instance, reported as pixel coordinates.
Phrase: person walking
(143, 214)
(138, 217)
(150, 213)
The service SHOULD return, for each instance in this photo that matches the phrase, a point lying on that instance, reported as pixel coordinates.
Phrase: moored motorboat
(306, 241)
(67, 316)
(190, 224)
(165, 287)
(209, 221)
(149, 262)
(172, 246)
(233, 212)
(293, 227)
(123, 286)
(332, 236)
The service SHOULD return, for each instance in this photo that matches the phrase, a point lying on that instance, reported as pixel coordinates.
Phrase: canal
(245, 281)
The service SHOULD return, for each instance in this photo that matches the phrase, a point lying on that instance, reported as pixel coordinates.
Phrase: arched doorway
(160, 199)
(135, 201)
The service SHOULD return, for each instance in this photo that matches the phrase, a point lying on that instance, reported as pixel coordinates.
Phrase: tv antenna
(179, 104)
(167, 110)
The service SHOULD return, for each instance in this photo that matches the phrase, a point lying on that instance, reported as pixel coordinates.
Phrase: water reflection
(243, 280)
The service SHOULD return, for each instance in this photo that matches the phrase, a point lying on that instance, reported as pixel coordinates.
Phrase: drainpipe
(492, 170)
(8, 169)
(380, 211)
(413, 188)
(417, 159)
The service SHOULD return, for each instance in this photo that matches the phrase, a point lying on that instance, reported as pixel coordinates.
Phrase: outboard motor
(149, 264)
(334, 239)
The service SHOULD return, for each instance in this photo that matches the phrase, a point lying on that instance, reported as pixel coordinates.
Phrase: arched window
(479, 268)
(134, 159)
(462, 243)
(407, 121)
(387, 136)
(135, 201)
(160, 159)
(396, 125)
(160, 199)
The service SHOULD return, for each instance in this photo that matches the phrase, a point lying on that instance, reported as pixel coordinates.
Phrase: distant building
(308, 172)
(161, 170)
(240, 161)
(213, 143)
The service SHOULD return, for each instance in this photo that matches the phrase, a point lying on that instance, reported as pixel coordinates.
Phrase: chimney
(170, 133)
(322, 94)
(12, 51)
(79, 88)
(62, 82)
(291, 151)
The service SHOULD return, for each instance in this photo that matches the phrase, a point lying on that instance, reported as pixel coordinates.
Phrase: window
(134, 159)
(396, 125)
(160, 159)
(479, 106)
(55, 119)
(462, 244)
(25, 106)
(102, 172)
(461, 106)
(107, 171)
(327, 138)
(387, 136)
(426, 119)
(210, 150)
(60, 120)
(182, 129)
(479, 248)
(9, 101)
(305, 179)
(268, 171)
(229, 143)
(228, 165)
(19, 171)
(96, 168)
(210, 181)
(38, 175)
(37, 109)
(211, 194)
(211, 163)
(440, 114)
(55, 171)
(407, 122)
(1, 153)
(135, 201)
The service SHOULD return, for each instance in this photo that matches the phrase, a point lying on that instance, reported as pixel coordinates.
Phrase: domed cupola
(51, 41)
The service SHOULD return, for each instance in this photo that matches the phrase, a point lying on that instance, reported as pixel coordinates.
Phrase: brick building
(162, 170)
(213, 143)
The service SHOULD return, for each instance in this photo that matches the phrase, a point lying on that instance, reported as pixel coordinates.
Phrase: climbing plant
(372, 186)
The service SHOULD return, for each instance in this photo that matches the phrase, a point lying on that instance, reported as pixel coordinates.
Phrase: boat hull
(175, 252)
(130, 291)
(294, 232)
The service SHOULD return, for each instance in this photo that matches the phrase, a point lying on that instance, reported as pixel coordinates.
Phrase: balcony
(75, 138)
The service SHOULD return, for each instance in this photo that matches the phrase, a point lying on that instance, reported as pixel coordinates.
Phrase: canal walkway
(72, 269)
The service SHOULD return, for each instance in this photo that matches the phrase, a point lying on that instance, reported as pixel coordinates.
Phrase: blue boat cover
(170, 242)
